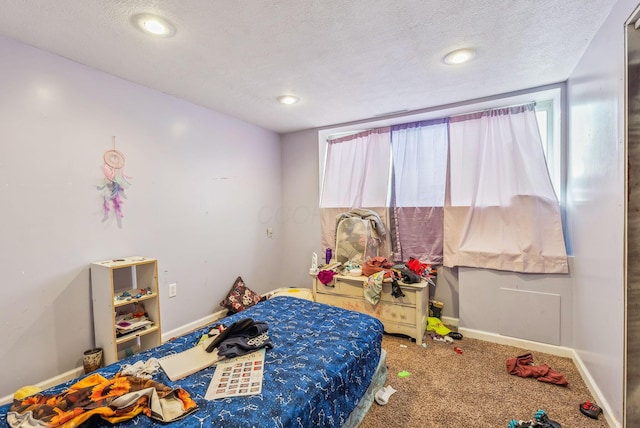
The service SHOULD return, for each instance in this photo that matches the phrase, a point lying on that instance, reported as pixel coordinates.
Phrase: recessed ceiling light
(288, 99)
(459, 56)
(153, 24)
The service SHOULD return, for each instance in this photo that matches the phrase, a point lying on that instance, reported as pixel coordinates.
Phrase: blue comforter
(322, 362)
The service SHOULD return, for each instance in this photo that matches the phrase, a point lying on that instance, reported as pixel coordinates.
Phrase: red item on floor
(524, 366)
(590, 409)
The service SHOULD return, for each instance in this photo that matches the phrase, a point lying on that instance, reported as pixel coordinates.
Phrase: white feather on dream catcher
(115, 182)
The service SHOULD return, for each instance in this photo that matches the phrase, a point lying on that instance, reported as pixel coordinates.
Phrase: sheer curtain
(419, 152)
(356, 175)
(500, 210)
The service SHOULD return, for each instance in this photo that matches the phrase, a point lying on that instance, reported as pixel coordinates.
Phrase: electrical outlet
(269, 232)
(173, 290)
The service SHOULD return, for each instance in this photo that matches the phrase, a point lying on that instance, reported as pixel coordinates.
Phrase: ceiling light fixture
(153, 24)
(288, 99)
(459, 56)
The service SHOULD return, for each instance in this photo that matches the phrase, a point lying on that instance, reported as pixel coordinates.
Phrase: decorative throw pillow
(240, 297)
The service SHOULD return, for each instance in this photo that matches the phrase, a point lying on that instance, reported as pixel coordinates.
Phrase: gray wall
(447, 290)
(204, 186)
(300, 212)
(537, 307)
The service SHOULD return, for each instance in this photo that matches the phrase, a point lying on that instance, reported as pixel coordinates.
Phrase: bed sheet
(322, 362)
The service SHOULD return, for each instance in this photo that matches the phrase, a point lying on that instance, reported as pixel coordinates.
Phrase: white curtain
(500, 210)
(356, 175)
(419, 179)
(357, 170)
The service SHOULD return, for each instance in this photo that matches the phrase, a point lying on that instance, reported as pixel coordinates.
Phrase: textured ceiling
(346, 59)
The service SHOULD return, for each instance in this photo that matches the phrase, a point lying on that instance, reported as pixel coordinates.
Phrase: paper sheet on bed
(237, 376)
(182, 364)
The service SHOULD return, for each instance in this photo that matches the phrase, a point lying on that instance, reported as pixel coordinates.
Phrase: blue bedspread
(322, 362)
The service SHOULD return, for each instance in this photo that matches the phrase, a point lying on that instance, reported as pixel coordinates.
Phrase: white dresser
(404, 315)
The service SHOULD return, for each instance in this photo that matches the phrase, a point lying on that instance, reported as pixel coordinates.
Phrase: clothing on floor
(524, 366)
(435, 324)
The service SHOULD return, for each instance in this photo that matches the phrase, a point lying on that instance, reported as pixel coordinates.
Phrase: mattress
(325, 365)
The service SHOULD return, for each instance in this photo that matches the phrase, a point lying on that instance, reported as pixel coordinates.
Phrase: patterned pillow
(240, 297)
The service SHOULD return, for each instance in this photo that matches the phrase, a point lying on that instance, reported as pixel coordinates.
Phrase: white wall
(595, 204)
(201, 185)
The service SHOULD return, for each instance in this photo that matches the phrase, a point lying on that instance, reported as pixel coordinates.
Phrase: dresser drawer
(405, 315)
(345, 286)
(406, 329)
(352, 287)
(385, 312)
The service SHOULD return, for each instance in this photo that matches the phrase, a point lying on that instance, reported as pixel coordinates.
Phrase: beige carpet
(473, 389)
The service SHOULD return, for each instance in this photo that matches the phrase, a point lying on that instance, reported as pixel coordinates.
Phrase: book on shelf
(125, 325)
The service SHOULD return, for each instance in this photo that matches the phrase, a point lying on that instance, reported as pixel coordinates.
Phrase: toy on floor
(590, 409)
(540, 420)
(383, 394)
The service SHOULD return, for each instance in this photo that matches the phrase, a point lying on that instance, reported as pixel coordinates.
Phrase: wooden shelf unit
(109, 280)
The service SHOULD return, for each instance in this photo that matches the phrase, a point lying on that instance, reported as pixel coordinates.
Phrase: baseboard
(188, 328)
(48, 383)
(449, 321)
(595, 391)
(560, 351)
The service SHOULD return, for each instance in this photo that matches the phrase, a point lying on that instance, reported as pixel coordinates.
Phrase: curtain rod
(493, 108)
(348, 133)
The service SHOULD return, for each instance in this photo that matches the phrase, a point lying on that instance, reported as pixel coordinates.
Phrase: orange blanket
(114, 400)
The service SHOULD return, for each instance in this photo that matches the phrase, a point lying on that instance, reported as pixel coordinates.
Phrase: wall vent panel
(529, 315)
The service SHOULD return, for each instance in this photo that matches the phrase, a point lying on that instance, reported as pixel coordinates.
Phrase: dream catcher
(115, 181)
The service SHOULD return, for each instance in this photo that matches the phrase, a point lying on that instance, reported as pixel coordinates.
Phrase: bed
(323, 371)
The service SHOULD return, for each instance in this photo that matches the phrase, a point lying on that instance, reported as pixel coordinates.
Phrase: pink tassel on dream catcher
(115, 182)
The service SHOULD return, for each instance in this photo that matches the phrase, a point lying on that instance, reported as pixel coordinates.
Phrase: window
(548, 115)
(416, 185)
